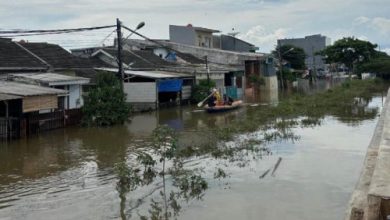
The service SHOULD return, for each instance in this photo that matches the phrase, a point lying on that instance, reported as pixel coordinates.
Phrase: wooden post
(6, 119)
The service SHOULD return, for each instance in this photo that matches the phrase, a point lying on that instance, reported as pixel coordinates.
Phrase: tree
(350, 51)
(295, 56)
(379, 66)
(202, 90)
(105, 104)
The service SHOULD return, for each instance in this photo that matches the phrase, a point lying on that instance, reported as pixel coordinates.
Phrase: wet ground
(68, 173)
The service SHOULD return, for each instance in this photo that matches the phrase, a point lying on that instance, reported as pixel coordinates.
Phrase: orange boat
(223, 108)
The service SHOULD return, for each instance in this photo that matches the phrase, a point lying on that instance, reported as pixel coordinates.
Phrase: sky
(260, 22)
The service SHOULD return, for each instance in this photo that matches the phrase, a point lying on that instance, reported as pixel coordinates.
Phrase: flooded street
(69, 173)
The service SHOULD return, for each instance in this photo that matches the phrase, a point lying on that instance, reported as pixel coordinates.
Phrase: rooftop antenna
(233, 33)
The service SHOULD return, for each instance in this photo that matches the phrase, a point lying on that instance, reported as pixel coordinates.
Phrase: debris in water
(265, 174)
(276, 166)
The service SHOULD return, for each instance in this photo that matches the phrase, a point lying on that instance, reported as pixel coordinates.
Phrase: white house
(73, 84)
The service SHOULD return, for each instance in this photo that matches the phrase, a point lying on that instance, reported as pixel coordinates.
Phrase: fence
(9, 129)
(44, 122)
(73, 116)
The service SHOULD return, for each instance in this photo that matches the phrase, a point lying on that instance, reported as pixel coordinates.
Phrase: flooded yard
(306, 170)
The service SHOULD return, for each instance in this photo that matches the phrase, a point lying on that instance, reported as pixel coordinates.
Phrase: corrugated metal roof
(4, 97)
(149, 74)
(52, 78)
(21, 89)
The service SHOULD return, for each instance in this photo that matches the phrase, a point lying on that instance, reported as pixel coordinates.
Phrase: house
(39, 57)
(232, 43)
(150, 90)
(260, 78)
(131, 59)
(72, 84)
(311, 45)
(226, 68)
(21, 105)
(191, 35)
(14, 58)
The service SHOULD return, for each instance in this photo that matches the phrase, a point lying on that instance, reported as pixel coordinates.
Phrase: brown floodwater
(68, 173)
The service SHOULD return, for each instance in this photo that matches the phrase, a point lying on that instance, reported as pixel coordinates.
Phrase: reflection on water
(69, 173)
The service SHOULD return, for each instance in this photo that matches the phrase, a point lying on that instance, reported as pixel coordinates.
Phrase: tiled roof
(190, 58)
(13, 56)
(38, 56)
(21, 89)
(140, 59)
(56, 56)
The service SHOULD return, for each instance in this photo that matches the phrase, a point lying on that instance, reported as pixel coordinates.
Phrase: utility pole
(119, 55)
(280, 66)
(314, 75)
(208, 70)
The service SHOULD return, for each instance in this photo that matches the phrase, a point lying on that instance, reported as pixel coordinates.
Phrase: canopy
(170, 85)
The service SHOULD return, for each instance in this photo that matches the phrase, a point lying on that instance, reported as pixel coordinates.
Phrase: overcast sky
(260, 22)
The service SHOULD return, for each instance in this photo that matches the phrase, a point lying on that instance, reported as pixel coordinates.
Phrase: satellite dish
(233, 33)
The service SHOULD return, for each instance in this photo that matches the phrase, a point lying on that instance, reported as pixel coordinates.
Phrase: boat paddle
(200, 104)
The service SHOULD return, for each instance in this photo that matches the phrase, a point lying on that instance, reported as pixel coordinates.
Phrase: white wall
(140, 92)
(186, 92)
(75, 97)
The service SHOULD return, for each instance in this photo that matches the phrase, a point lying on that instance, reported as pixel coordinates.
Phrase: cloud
(382, 24)
(259, 36)
(386, 50)
(361, 20)
(260, 21)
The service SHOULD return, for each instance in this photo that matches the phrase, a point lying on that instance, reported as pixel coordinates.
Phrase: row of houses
(39, 87)
(42, 85)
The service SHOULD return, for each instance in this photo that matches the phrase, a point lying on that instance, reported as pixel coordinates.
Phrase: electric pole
(208, 70)
(280, 66)
(119, 55)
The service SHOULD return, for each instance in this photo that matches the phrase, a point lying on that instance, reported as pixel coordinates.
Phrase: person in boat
(211, 102)
(215, 99)
(218, 97)
(228, 100)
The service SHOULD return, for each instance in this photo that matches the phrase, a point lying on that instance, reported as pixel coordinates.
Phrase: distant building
(231, 43)
(190, 35)
(311, 45)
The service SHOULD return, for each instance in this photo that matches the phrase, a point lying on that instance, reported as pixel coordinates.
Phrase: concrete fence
(371, 197)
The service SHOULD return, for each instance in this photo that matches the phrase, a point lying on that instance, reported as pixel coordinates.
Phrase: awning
(170, 85)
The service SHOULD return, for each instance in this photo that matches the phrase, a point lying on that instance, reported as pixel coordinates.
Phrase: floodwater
(69, 173)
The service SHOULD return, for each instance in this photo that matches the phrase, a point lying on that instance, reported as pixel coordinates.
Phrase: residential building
(226, 68)
(39, 57)
(72, 84)
(191, 35)
(231, 43)
(151, 89)
(20, 109)
(311, 45)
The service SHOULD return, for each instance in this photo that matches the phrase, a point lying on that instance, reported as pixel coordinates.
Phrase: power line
(57, 30)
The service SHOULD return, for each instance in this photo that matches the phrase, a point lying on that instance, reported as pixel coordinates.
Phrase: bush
(202, 90)
(105, 104)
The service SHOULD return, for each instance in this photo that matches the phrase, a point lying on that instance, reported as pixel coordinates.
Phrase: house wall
(204, 39)
(234, 44)
(216, 55)
(140, 92)
(218, 78)
(141, 95)
(36, 103)
(186, 92)
(182, 35)
(75, 97)
(311, 45)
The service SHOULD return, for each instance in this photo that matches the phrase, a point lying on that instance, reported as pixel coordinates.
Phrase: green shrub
(105, 104)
